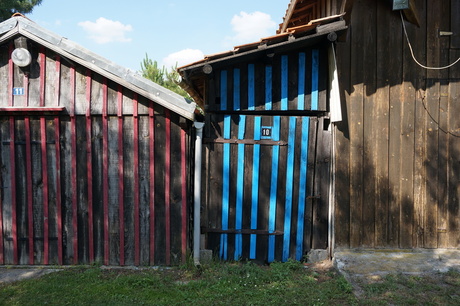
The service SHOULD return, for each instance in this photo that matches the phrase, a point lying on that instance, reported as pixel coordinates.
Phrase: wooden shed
(373, 165)
(267, 143)
(94, 158)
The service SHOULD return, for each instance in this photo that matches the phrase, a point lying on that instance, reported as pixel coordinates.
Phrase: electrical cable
(412, 51)
(437, 121)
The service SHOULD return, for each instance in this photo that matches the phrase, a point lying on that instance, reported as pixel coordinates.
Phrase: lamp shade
(21, 57)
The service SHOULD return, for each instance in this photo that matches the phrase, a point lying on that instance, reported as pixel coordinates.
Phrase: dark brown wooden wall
(105, 179)
(267, 198)
(398, 148)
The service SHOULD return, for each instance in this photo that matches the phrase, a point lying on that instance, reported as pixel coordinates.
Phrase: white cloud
(250, 27)
(105, 31)
(183, 57)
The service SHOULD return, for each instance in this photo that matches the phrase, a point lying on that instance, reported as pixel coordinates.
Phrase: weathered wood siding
(267, 157)
(397, 151)
(105, 179)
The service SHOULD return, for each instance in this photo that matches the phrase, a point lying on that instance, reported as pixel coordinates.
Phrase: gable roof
(19, 25)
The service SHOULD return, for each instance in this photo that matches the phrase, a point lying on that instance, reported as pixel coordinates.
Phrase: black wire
(436, 121)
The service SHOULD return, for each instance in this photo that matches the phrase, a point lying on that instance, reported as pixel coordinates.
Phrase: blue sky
(169, 31)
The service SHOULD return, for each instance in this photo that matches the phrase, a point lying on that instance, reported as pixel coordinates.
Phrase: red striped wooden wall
(90, 171)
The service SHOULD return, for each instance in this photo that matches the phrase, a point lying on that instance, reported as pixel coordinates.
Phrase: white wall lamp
(20, 55)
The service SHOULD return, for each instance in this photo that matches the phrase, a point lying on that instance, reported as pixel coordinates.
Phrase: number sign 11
(18, 91)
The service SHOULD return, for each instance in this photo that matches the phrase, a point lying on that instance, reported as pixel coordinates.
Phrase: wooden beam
(246, 141)
(241, 231)
(347, 6)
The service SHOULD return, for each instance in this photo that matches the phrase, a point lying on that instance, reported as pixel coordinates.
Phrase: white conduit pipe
(197, 193)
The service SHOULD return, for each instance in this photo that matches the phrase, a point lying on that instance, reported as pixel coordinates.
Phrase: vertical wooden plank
(12, 159)
(183, 193)
(136, 182)
(315, 79)
(356, 127)
(410, 136)
(89, 166)
(443, 177)
(105, 170)
(128, 170)
(415, 76)
(144, 185)
(225, 165)
(381, 121)
(175, 190)
(121, 175)
(113, 177)
(289, 188)
(29, 187)
(44, 159)
(152, 182)
(4, 97)
(432, 106)
(454, 153)
(370, 129)
(342, 223)
(290, 158)
(168, 186)
(22, 204)
(64, 176)
(274, 173)
(73, 135)
(303, 164)
(431, 211)
(10, 75)
(159, 157)
(454, 131)
(45, 190)
(240, 165)
(443, 45)
(57, 140)
(2, 180)
(249, 104)
(255, 162)
(394, 65)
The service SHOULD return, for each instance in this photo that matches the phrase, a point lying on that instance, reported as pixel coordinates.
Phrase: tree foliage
(160, 75)
(9, 7)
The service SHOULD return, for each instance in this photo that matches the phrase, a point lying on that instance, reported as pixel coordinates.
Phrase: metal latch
(445, 33)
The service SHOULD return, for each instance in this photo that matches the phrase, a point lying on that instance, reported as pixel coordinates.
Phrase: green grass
(400, 289)
(215, 284)
(228, 284)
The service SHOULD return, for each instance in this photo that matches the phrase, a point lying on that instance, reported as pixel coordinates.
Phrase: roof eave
(292, 41)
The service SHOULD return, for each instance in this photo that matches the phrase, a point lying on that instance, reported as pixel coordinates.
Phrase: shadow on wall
(397, 150)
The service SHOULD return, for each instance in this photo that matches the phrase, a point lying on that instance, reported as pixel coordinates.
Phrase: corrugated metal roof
(20, 25)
